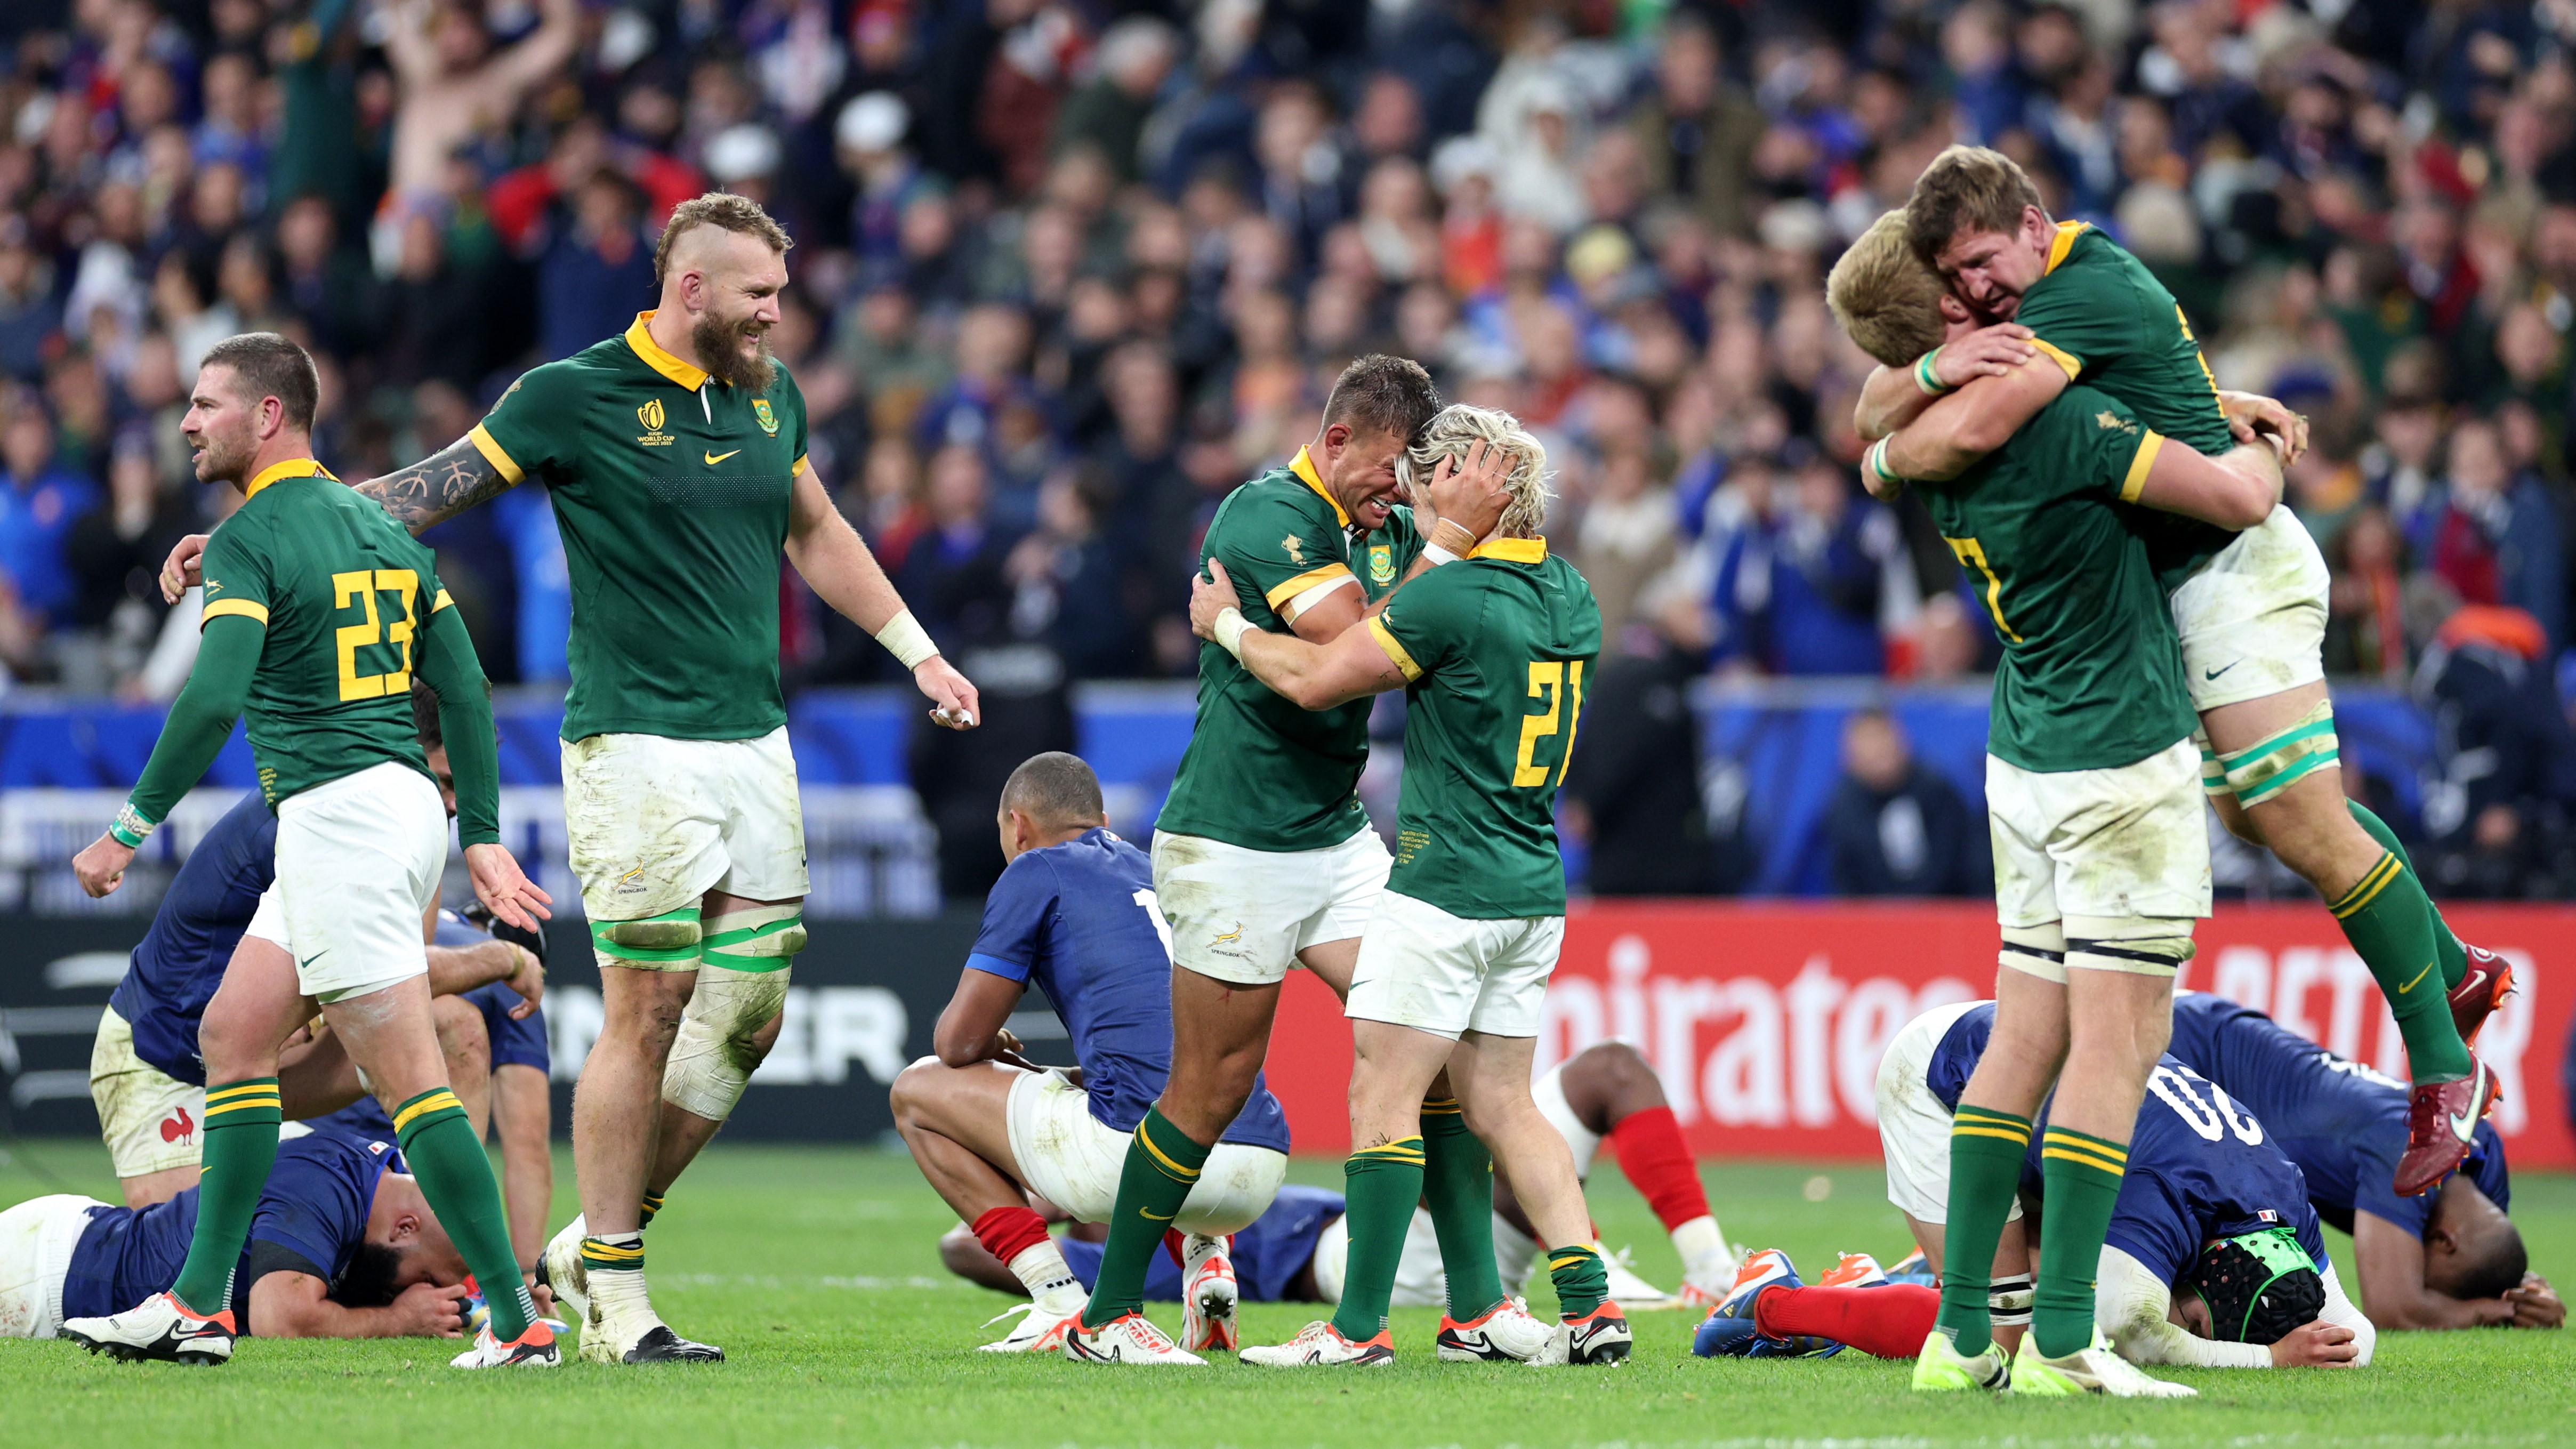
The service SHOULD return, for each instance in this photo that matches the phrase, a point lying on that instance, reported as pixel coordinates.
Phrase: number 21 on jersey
(355, 590)
(1560, 683)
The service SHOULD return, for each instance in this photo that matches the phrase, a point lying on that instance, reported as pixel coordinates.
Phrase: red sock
(1658, 1162)
(1890, 1322)
(1007, 1232)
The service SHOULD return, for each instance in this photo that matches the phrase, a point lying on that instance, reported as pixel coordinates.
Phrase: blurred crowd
(1068, 270)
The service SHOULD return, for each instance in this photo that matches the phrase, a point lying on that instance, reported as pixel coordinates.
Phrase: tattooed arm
(429, 492)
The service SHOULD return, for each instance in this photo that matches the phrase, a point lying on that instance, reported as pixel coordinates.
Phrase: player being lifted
(2101, 861)
(2250, 606)
(1263, 858)
(318, 611)
(1456, 958)
(675, 457)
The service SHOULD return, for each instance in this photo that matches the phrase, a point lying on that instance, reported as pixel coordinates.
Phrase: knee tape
(713, 1056)
(2008, 1300)
(2260, 771)
(2213, 775)
(666, 942)
(2140, 945)
(2035, 951)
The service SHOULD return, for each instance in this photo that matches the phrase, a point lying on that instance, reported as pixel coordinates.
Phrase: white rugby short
(2118, 843)
(653, 824)
(2253, 619)
(1913, 1126)
(358, 864)
(1242, 915)
(149, 1119)
(1427, 969)
(36, 1241)
(1073, 1159)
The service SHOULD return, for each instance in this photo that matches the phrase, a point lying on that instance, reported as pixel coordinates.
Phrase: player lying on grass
(1297, 1251)
(1456, 957)
(145, 1076)
(2212, 1257)
(2248, 601)
(2445, 1259)
(1263, 858)
(318, 610)
(2101, 861)
(342, 1244)
(1074, 914)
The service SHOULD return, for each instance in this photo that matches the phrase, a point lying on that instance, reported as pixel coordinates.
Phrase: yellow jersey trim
(1307, 580)
(798, 466)
(250, 609)
(2063, 242)
(496, 455)
(442, 602)
(1304, 467)
(640, 337)
(1395, 652)
(2141, 465)
(1512, 550)
(291, 468)
(2066, 361)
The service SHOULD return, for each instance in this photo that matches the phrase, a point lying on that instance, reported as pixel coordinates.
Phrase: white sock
(1052, 1286)
(1701, 1245)
(619, 1292)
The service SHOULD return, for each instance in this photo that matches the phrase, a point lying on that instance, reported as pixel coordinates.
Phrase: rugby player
(2101, 861)
(1075, 915)
(145, 1076)
(1455, 960)
(1263, 857)
(343, 1244)
(2249, 605)
(318, 611)
(2444, 1259)
(675, 458)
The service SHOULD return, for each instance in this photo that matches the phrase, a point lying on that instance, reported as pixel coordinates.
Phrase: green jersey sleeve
(532, 428)
(793, 397)
(1275, 550)
(1431, 621)
(236, 568)
(2081, 315)
(2095, 444)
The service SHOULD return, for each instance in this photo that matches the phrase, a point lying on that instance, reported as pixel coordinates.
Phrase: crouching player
(2445, 1259)
(318, 609)
(342, 1244)
(1074, 913)
(1454, 964)
(145, 1076)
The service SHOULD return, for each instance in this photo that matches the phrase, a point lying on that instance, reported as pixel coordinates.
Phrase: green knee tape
(671, 936)
(764, 938)
(2261, 771)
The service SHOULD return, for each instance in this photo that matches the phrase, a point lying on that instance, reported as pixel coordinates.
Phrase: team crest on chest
(652, 417)
(1381, 564)
(761, 414)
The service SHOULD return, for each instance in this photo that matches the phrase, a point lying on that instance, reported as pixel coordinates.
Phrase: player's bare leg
(956, 1121)
(616, 1119)
(1493, 1076)
(685, 1134)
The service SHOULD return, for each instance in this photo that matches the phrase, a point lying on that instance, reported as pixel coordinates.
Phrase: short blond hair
(1967, 188)
(1884, 295)
(718, 209)
(1458, 427)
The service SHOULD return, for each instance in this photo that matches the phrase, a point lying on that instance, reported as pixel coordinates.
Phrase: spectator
(453, 86)
(1803, 583)
(40, 501)
(1629, 791)
(29, 315)
(598, 272)
(1697, 129)
(1135, 57)
(2500, 815)
(1896, 827)
(2493, 537)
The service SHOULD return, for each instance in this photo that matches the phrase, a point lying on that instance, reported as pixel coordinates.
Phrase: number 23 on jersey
(356, 591)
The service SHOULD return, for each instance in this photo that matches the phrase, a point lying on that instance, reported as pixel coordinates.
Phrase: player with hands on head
(320, 610)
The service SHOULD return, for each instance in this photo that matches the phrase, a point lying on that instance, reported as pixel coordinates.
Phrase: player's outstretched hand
(101, 867)
(1470, 491)
(954, 704)
(180, 572)
(2251, 416)
(426, 1310)
(1987, 352)
(501, 885)
(2316, 1345)
(1209, 597)
(2535, 1304)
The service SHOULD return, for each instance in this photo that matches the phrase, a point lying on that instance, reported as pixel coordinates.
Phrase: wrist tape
(906, 640)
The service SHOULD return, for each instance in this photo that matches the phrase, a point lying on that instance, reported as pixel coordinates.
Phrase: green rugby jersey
(345, 594)
(2092, 671)
(671, 490)
(1495, 650)
(1260, 772)
(2103, 317)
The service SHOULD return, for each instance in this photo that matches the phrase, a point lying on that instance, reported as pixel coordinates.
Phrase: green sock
(2082, 1182)
(1458, 1188)
(1383, 1183)
(1581, 1279)
(439, 1144)
(1986, 1150)
(1162, 1166)
(240, 1147)
(2455, 956)
(652, 1204)
(2390, 922)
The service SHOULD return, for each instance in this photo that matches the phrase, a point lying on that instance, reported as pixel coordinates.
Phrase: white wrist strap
(1230, 629)
(1438, 555)
(906, 640)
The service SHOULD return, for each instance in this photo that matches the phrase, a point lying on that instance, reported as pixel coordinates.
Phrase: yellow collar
(291, 468)
(640, 338)
(2062, 243)
(1304, 467)
(1514, 550)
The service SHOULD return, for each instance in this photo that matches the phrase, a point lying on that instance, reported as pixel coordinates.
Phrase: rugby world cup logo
(651, 415)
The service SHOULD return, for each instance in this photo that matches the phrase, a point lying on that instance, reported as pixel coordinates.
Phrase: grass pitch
(816, 1270)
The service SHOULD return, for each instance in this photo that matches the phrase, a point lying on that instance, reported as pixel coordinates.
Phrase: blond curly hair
(1459, 426)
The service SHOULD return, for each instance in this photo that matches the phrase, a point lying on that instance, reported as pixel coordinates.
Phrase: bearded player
(675, 458)
(2249, 606)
